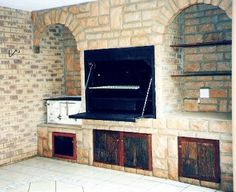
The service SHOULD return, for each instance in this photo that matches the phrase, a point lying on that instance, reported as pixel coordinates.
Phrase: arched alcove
(198, 23)
(61, 61)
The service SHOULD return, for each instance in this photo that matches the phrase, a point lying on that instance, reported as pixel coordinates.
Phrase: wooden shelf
(203, 73)
(212, 43)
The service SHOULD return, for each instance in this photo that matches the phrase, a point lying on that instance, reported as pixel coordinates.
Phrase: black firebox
(120, 84)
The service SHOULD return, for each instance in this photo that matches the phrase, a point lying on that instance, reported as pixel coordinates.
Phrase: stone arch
(173, 7)
(43, 20)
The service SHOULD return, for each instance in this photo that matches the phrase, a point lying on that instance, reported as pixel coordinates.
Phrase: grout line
(55, 186)
(82, 188)
(185, 188)
(29, 186)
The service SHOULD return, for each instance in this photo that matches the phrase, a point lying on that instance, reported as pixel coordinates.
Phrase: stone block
(53, 16)
(194, 38)
(225, 4)
(173, 169)
(124, 42)
(160, 173)
(104, 7)
(47, 19)
(63, 17)
(103, 20)
(74, 9)
(117, 18)
(144, 172)
(223, 106)
(209, 67)
(220, 126)
(178, 123)
(69, 20)
(42, 132)
(189, 180)
(132, 17)
(194, 58)
(84, 7)
(94, 8)
(139, 40)
(210, 184)
(226, 147)
(229, 12)
(87, 139)
(218, 93)
(160, 163)
(117, 2)
(40, 147)
(159, 146)
(130, 170)
(226, 159)
(208, 108)
(89, 22)
(190, 105)
(182, 3)
(118, 168)
(156, 39)
(172, 147)
(199, 125)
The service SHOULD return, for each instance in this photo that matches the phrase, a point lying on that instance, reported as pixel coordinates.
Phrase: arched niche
(198, 23)
(61, 60)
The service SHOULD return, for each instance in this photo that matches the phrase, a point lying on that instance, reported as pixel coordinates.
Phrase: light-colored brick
(220, 126)
(116, 18)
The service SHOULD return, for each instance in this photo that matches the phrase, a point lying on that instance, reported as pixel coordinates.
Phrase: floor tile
(193, 188)
(50, 175)
(42, 186)
(63, 187)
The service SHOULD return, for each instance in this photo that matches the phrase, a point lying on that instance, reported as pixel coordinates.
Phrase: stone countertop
(200, 115)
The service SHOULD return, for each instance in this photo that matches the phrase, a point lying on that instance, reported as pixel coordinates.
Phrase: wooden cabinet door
(188, 161)
(137, 151)
(208, 164)
(199, 159)
(106, 146)
(122, 148)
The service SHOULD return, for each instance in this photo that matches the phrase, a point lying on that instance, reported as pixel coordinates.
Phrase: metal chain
(146, 98)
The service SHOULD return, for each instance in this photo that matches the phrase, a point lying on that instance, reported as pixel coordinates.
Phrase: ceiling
(33, 5)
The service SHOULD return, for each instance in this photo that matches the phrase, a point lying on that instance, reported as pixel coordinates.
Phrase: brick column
(234, 93)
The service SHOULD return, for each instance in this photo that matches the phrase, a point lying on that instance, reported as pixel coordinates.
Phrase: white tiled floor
(48, 175)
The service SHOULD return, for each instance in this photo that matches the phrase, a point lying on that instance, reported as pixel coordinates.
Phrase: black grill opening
(120, 84)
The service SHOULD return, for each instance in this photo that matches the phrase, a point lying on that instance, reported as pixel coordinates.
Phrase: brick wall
(199, 23)
(205, 23)
(116, 23)
(26, 79)
(172, 60)
(72, 64)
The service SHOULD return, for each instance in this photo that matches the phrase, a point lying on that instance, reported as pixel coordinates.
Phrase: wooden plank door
(137, 151)
(199, 159)
(106, 146)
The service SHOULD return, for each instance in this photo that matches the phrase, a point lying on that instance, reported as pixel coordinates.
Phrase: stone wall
(165, 132)
(27, 78)
(116, 23)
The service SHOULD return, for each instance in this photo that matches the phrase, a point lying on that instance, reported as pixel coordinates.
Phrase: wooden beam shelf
(212, 43)
(203, 73)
